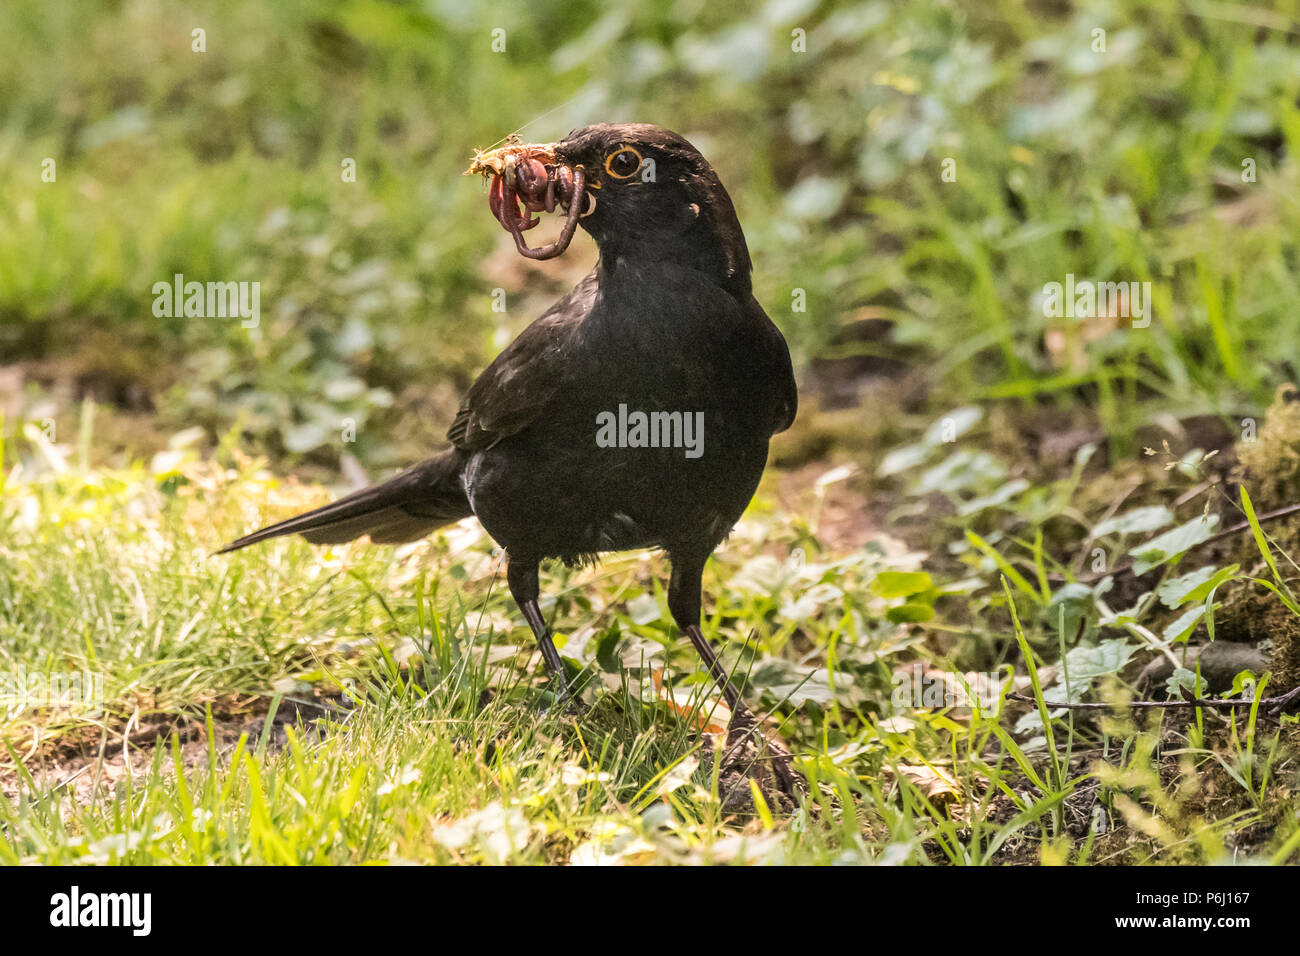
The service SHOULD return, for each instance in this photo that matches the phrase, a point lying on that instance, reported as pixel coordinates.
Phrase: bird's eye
(623, 163)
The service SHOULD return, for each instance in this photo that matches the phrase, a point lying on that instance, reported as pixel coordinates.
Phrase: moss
(1271, 463)
(1270, 471)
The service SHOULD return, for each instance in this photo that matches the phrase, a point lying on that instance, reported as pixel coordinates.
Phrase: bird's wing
(783, 371)
(520, 383)
(774, 368)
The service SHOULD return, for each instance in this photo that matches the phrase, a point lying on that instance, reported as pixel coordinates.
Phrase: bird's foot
(766, 761)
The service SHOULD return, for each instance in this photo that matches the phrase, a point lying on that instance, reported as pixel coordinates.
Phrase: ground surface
(912, 179)
(368, 703)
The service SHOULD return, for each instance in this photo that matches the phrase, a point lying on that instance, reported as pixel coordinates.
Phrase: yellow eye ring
(619, 152)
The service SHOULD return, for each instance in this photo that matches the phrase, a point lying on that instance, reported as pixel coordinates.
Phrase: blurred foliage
(1122, 165)
(1146, 141)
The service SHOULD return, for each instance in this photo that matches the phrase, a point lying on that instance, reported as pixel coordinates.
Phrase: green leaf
(1173, 543)
(607, 649)
(1072, 593)
(896, 584)
(963, 470)
(1034, 681)
(643, 609)
(1137, 521)
(901, 459)
(999, 497)
(1179, 679)
(1194, 585)
(1003, 564)
(1181, 629)
(909, 612)
(786, 681)
(1260, 541)
(1245, 680)
(304, 437)
(953, 425)
(810, 603)
(1085, 663)
(1078, 603)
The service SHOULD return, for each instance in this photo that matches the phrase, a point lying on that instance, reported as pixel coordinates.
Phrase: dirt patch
(843, 514)
(90, 762)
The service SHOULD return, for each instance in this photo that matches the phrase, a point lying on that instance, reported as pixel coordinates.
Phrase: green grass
(407, 761)
(289, 704)
(369, 664)
(1122, 165)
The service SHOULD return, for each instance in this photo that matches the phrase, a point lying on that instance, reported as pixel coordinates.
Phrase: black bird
(634, 413)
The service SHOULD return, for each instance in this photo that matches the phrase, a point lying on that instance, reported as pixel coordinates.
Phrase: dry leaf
(709, 716)
(938, 785)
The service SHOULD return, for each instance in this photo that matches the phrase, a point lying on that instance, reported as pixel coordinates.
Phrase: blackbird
(634, 413)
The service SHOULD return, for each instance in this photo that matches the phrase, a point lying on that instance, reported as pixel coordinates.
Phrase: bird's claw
(773, 753)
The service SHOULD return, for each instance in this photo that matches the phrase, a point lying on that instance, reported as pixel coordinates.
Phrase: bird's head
(641, 191)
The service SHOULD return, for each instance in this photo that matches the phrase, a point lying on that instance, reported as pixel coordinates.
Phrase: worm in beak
(527, 179)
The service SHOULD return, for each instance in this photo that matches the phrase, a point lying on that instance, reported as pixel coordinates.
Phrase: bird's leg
(684, 588)
(705, 650)
(521, 576)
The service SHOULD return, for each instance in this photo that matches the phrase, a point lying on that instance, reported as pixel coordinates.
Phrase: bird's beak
(532, 174)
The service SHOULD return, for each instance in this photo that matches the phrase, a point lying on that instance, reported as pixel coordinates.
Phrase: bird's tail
(404, 508)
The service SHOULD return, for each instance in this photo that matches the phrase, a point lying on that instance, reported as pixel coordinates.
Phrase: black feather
(404, 508)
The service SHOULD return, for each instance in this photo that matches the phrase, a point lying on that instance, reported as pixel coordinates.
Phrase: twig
(1242, 526)
(1272, 705)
